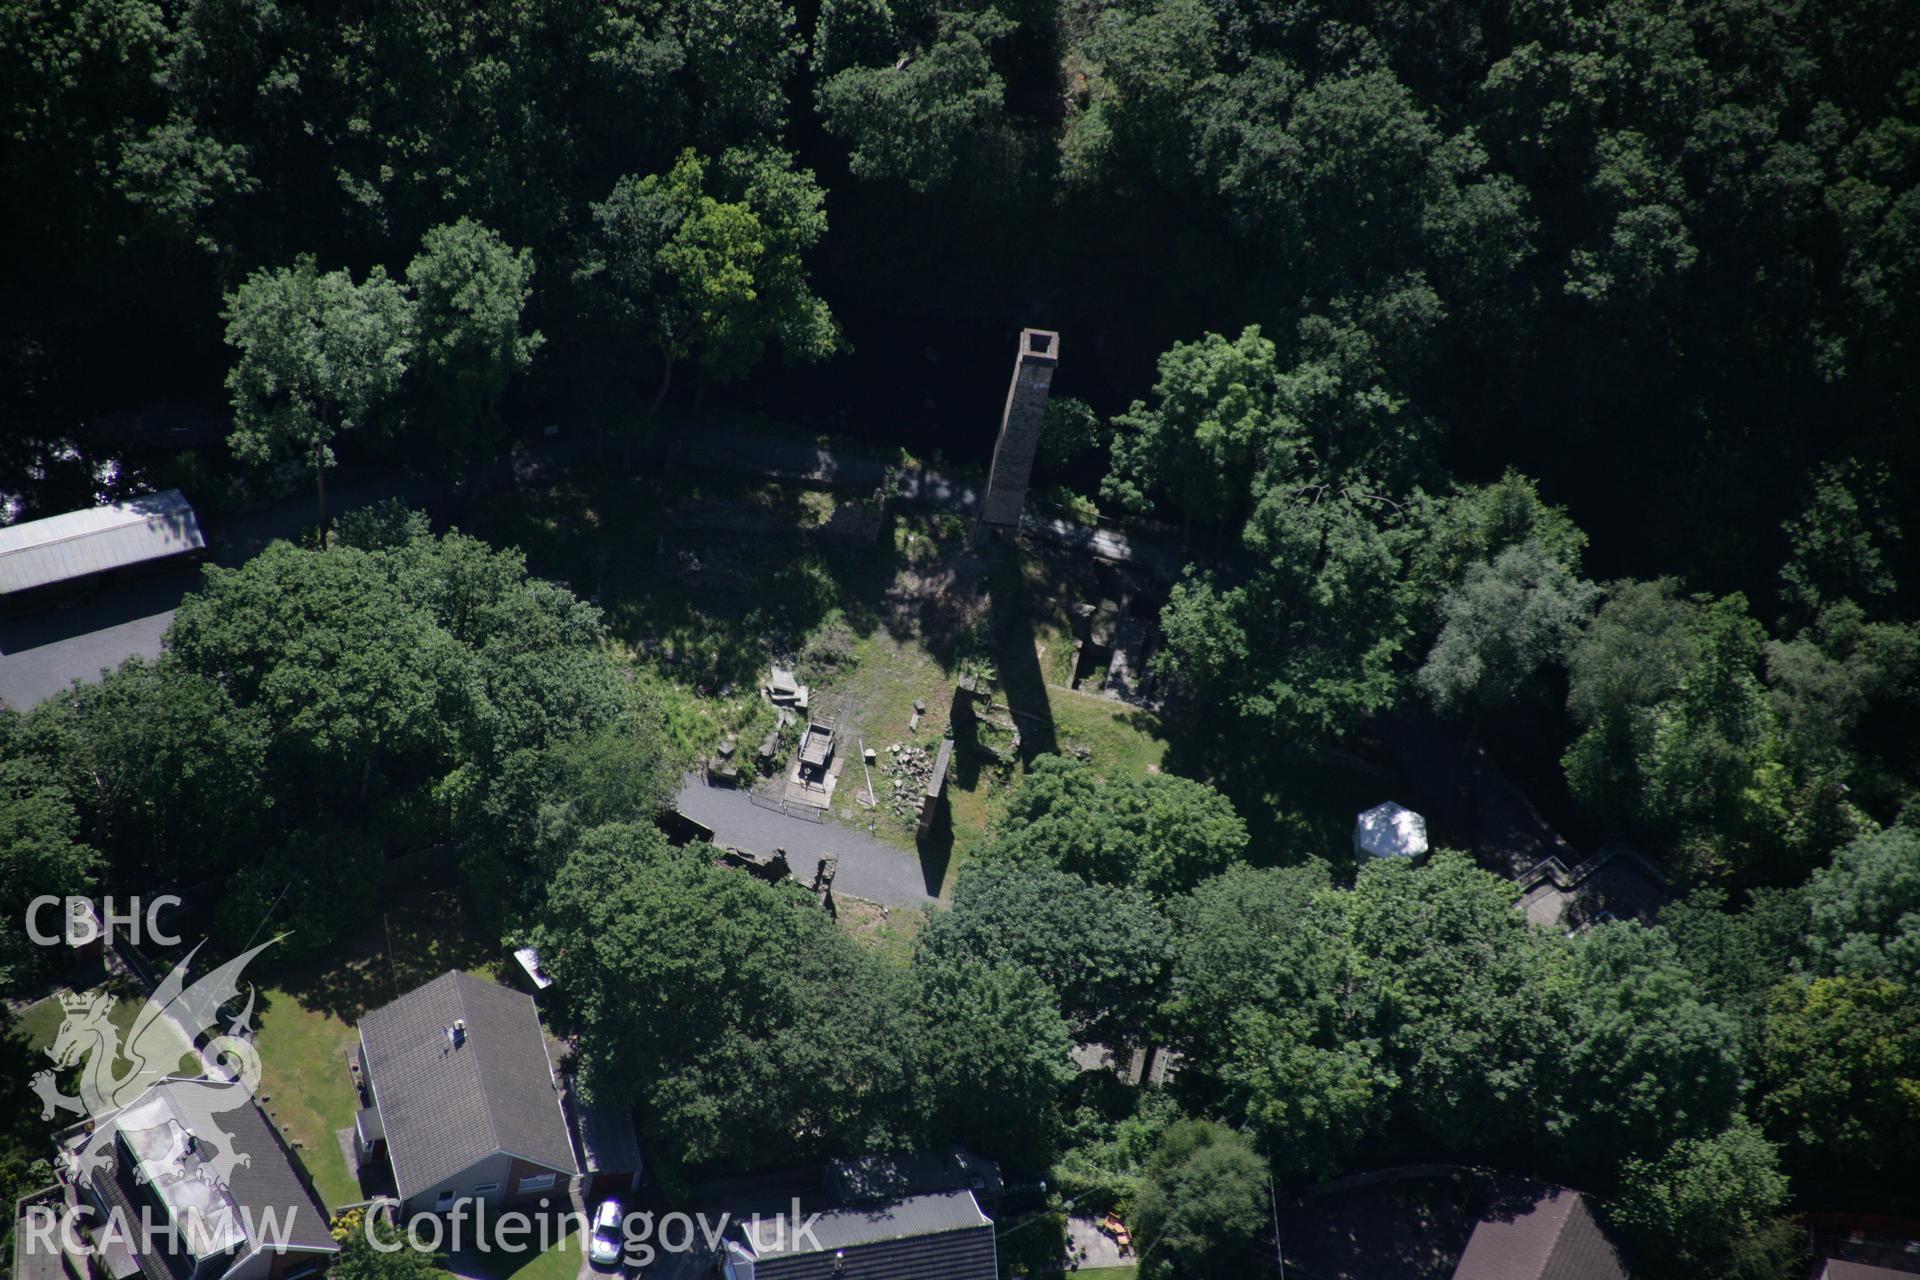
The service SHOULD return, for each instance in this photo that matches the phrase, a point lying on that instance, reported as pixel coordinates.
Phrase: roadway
(869, 868)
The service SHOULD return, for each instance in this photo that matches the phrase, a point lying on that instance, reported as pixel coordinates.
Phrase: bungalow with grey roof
(463, 1098)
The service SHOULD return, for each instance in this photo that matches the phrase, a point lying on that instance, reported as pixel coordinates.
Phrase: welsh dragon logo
(164, 1031)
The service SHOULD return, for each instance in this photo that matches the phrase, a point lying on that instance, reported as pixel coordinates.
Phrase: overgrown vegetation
(1541, 374)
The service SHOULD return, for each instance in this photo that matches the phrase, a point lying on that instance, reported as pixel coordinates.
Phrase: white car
(605, 1243)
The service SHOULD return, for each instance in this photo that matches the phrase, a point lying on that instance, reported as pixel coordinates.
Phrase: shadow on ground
(424, 930)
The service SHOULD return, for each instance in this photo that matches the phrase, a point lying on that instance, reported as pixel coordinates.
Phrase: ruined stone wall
(1020, 424)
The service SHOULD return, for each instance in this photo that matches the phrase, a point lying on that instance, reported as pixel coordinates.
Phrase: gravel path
(869, 868)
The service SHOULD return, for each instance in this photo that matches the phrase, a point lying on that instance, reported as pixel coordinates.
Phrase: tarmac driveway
(869, 868)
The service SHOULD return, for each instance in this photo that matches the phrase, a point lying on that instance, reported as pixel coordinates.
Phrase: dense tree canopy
(1708, 1204)
(1203, 1202)
(1266, 1006)
(1506, 622)
(1866, 908)
(709, 268)
(318, 711)
(1462, 994)
(1101, 949)
(318, 355)
(350, 675)
(995, 1048)
(1840, 1058)
(39, 849)
(169, 773)
(1647, 1062)
(742, 1022)
(1395, 328)
(1160, 833)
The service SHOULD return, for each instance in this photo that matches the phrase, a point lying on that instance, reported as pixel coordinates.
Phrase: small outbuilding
(40, 559)
(1389, 831)
(938, 1236)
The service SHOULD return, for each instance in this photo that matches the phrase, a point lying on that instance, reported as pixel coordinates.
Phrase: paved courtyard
(869, 868)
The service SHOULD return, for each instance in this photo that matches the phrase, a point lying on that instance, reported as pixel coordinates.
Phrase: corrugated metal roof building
(84, 544)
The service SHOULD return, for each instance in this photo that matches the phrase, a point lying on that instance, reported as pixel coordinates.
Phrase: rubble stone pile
(907, 769)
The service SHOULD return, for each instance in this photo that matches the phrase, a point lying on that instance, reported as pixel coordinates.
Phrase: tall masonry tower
(1020, 429)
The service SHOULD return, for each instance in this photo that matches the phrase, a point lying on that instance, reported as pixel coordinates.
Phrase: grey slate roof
(942, 1236)
(268, 1184)
(37, 553)
(445, 1108)
(1840, 1269)
(1555, 1238)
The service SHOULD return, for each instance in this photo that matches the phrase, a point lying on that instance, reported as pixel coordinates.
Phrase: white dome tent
(1389, 831)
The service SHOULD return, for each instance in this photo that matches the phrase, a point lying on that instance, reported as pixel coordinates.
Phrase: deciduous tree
(1476, 523)
(1101, 949)
(1842, 540)
(1865, 909)
(1161, 833)
(1266, 1008)
(994, 1052)
(1647, 1062)
(1507, 621)
(351, 676)
(912, 118)
(1705, 1207)
(40, 852)
(1465, 999)
(469, 289)
(169, 773)
(317, 355)
(746, 1026)
(1203, 1203)
(1840, 1065)
(705, 262)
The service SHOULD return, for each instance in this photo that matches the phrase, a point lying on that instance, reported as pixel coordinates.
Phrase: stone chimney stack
(1020, 429)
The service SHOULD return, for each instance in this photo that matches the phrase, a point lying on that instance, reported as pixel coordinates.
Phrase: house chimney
(1033, 367)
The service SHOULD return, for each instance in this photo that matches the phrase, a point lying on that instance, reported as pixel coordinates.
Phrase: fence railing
(779, 805)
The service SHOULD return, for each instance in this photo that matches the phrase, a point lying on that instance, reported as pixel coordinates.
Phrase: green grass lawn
(38, 1023)
(890, 933)
(305, 1088)
(562, 1262)
(306, 1018)
(1109, 1273)
(37, 1026)
(1121, 739)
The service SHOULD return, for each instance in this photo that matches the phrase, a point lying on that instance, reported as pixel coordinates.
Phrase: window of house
(536, 1182)
(486, 1189)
